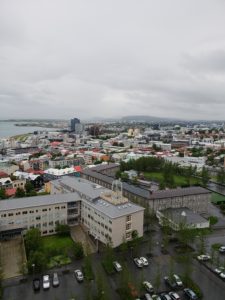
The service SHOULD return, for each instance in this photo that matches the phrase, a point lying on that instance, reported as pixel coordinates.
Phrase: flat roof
(114, 211)
(81, 185)
(28, 202)
(183, 215)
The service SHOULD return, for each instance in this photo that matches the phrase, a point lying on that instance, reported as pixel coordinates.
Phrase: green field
(217, 198)
(57, 248)
(61, 243)
(179, 180)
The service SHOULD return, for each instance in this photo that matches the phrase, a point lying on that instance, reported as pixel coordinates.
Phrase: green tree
(78, 250)
(29, 187)
(205, 176)
(20, 193)
(62, 229)
(3, 194)
(37, 262)
(33, 240)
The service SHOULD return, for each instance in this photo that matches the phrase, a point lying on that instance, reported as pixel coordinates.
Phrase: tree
(37, 262)
(29, 187)
(20, 193)
(205, 176)
(78, 250)
(62, 229)
(33, 240)
(3, 194)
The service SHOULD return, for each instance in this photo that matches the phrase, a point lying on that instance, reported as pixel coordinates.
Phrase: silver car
(55, 280)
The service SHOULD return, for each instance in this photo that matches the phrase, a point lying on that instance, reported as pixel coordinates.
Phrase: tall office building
(73, 123)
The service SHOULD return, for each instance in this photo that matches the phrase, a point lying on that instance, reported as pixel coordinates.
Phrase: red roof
(35, 172)
(10, 192)
(3, 174)
(77, 168)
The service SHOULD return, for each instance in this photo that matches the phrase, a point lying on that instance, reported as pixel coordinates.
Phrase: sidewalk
(78, 234)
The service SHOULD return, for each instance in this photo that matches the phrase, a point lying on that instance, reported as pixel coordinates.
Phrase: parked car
(55, 280)
(222, 249)
(222, 275)
(138, 262)
(144, 261)
(148, 296)
(117, 266)
(148, 286)
(165, 296)
(156, 297)
(36, 284)
(190, 294)
(169, 282)
(204, 257)
(174, 296)
(79, 275)
(219, 270)
(177, 281)
(46, 282)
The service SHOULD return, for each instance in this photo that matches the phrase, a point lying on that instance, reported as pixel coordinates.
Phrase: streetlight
(33, 266)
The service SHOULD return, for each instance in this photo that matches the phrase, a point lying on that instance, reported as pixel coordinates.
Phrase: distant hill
(149, 119)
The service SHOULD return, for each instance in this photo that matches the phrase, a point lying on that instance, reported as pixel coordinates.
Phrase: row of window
(25, 212)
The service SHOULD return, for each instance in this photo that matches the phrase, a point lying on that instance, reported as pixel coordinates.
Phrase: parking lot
(210, 284)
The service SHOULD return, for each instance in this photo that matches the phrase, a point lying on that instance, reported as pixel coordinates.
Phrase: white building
(106, 214)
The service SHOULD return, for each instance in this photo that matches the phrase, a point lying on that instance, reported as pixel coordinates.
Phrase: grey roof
(28, 202)
(189, 217)
(114, 211)
(144, 193)
(83, 186)
(178, 192)
(103, 167)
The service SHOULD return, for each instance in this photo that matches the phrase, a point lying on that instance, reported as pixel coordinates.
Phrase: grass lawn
(56, 248)
(61, 243)
(217, 198)
(179, 180)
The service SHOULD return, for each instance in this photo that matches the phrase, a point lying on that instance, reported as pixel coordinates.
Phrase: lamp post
(33, 266)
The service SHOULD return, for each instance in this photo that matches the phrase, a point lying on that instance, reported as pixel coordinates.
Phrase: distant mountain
(149, 119)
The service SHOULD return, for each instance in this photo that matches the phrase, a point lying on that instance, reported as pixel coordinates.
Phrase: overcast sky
(91, 58)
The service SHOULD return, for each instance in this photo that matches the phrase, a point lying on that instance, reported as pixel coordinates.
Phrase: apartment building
(105, 214)
(42, 212)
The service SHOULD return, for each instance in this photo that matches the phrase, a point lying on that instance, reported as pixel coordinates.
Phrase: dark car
(190, 294)
(169, 282)
(36, 284)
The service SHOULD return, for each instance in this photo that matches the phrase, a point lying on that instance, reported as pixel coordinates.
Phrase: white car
(177, 280)
(79, 275)
(222, 249)
(138, 262)
(144, 261)
(204, 257)
(148, 286)
(219, 270)
(174, 296)
(46, 282)
(222, 275)
(117, 266)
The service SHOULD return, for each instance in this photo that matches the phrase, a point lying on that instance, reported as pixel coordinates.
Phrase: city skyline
(102, 59)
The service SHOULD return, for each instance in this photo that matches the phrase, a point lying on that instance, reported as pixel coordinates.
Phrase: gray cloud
(112, 58)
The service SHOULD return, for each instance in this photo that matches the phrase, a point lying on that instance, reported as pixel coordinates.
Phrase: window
(38, 218)
(44, 209)
(128, 235)
(128, 218)
(128, 226)
(44, 224)
(31, 211)
(18, 213)
(24, 212)
(10, 214)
